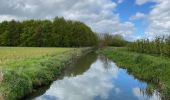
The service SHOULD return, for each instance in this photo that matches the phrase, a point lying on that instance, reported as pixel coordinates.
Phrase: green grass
(8, 54)
(153, 69)
(27, 68)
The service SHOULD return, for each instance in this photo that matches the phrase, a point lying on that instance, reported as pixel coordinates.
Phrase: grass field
(8, 54)
(153, 69)
(23, 69)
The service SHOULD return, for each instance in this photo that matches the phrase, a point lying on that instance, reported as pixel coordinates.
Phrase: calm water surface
(97, 78)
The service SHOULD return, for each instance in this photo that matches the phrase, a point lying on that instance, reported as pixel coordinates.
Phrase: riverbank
(153, 69)
(19, 77)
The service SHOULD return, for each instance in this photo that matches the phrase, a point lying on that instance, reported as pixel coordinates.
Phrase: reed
(159, 46)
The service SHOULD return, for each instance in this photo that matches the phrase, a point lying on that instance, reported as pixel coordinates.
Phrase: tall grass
(159, 46)
(154, 70)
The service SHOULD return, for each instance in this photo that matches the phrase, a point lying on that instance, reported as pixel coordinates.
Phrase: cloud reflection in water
(102, 81)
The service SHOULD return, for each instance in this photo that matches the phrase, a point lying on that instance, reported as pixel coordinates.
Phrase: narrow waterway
(94, 77)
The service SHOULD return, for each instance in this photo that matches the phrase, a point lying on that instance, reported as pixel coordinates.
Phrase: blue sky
(132, 19)
(128, 8)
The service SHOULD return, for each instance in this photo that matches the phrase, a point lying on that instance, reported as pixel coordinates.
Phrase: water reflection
(141, 94)
(102, 81)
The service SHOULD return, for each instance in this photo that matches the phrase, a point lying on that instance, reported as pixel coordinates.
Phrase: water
(97, 78)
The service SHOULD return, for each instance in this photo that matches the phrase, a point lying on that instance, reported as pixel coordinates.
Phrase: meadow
(9, 54)
(24, 69)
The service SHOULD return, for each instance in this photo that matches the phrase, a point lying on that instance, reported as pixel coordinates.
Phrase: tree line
(46, 33)
(159, 46)
(115, 40)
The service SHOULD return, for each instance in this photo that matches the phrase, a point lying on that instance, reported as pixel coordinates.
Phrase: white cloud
(6, 17)
(159, 19)
(140, 2)
(10, 17)
(140, 94)
(98, 14)
(138, 16)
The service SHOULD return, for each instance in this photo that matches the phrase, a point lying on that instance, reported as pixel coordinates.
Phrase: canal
(95, 77)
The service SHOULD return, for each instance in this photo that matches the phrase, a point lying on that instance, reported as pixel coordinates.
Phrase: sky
(133, 19)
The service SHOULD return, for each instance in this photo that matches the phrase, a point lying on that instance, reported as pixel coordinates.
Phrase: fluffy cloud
(98, 14)
(159, 19)
(140, 2)
(138, 16)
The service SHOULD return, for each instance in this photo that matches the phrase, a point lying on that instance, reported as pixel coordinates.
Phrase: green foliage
(46, 33)
(15, 85)
(111, 40)
(158, 46)
(10, 33)
(118, 41)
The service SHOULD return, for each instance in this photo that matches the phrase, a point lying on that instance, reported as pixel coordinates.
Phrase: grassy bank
(23, 69)
(153, 69)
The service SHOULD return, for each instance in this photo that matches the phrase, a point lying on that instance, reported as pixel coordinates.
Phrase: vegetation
(21, 74)
(111, 40)
(46, 33)
(159, 46)
(150, 68)
(9, 54)
(23, 68)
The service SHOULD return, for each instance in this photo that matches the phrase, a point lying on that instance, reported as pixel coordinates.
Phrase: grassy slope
(26, 68)
(147, 67)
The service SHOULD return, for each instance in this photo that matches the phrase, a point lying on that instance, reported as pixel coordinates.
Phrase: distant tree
(117, 40)
(111, 40)
(3, 33)
(13, 33)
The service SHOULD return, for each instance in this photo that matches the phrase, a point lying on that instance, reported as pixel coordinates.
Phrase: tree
(38, 33)
(118, 41)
